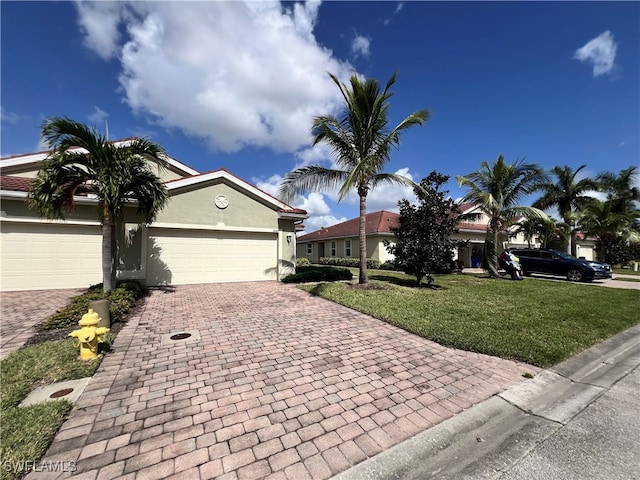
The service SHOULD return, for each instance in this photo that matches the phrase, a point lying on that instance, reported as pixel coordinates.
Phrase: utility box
(101, 307)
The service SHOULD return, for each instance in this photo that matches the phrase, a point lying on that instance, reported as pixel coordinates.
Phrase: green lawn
(626, 271)
(535, 321)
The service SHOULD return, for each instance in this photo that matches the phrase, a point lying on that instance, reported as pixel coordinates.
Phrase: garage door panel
(209, 257)
(41, 256)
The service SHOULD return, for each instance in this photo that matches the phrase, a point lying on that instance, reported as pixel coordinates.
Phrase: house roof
(15, 184)
(18, 162)
(376, 222)
(20, 184)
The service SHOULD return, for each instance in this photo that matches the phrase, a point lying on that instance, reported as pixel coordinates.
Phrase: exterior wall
(197, 207)
(286, 247)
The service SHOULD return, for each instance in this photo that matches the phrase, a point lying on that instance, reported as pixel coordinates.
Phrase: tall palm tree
(361, 143)
(497, 189)
(620, 189)
(83, 161)
(567, 195)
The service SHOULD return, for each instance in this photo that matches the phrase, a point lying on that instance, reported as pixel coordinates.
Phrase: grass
(27, 432)
(626, 271)
(534, 321)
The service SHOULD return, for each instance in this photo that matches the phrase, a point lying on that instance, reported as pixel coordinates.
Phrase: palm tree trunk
(363, 279)
(106, 253)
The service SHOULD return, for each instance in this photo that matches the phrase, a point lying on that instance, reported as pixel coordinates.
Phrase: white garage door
(179, 257)
(43, 256)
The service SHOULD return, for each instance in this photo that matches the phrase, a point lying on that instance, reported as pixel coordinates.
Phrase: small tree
(424, 245)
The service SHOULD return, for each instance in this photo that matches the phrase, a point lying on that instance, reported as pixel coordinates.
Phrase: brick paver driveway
(21, 311)
(282, 385)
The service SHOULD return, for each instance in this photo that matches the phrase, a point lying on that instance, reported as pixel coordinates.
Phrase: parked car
(554, 262)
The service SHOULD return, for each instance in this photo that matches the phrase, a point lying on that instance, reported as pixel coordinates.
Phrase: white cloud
(600, 52)
(384, 196)
(360, 46)
(398, 7)
(9, 117)
(98, 116)
(314, 155)
(316, 223)
(236, 74)
(99, 22)
(270, 185)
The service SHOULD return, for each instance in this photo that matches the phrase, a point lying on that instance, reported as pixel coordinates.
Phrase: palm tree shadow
(404, 282)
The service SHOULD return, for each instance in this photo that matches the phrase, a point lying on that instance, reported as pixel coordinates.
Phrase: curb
(491, 437)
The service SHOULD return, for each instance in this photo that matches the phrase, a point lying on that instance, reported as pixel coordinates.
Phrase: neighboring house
(341, 240)
(215, 228)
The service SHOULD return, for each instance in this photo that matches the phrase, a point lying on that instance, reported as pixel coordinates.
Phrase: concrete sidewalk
(528, 431)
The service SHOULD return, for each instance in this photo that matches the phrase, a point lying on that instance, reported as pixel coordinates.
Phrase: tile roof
(16, 184)
(377, 222)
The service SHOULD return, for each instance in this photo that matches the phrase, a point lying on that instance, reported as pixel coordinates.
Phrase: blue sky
(236, 85)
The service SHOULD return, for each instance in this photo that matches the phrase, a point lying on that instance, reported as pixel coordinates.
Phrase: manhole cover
(61, 393)
(180, 336)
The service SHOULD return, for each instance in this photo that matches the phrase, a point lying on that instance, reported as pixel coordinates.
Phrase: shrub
(318, 274)
(387, 266)
(303, 262)
(349, 262)
(121, 300)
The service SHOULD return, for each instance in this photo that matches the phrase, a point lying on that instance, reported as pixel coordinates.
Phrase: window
(333, 248)
(309, 248)
(347, 248)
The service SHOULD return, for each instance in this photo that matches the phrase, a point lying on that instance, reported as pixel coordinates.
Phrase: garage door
(43, 256)
(179, 257)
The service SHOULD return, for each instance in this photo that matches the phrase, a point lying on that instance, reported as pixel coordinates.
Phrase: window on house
(309, 248)
(347, 248)
(333, 248)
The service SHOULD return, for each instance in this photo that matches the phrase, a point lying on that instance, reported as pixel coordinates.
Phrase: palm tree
(599, 219)
(567, 195)
(497, 189)
(620, 189)
(361, 143)
(83, 161)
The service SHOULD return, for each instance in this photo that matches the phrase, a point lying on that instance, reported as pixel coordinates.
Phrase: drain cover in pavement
(68, 390)
(181, 336)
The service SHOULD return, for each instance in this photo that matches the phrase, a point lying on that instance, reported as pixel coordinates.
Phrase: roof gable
(201, 180)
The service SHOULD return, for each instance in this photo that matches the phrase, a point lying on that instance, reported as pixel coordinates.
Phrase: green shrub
(349, 262)
(318, 274)
(303, 262)
(121, 300)
(388, 266)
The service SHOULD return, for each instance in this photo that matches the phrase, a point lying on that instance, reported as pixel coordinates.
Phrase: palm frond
(310, 178)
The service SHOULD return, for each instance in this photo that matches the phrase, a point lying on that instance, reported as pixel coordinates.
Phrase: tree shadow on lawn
(404, 282)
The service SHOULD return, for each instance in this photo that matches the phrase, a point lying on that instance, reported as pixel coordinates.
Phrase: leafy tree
(423, 238)
(567, 195)
(497, 189)
(361, 143)
(83, 161)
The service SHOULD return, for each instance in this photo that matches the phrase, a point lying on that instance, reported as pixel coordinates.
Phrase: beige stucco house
(341, 240)
(216, 227)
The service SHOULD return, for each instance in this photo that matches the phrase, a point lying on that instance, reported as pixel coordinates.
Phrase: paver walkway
(21, 311)
(282, 385)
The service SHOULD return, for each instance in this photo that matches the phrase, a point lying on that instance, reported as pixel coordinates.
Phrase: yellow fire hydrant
(88, 335)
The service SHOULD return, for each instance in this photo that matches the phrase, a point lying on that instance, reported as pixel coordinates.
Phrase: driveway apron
(21, 311)
(272, 383)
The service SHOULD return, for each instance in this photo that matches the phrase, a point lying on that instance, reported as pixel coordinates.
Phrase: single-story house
(341, 240)
(216, 227)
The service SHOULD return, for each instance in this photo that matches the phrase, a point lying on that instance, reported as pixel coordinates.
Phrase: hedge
(349, 262)
(318, 274)
(121, 300)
